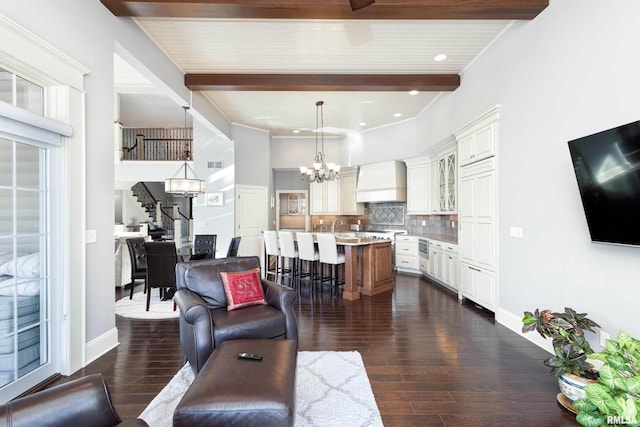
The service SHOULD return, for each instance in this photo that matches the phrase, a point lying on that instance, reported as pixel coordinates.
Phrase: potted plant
(571, 349)
(615, 398)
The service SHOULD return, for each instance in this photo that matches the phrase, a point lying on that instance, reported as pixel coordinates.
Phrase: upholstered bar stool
(289, 252)
(271, 249)
(307, 252)
(328, 250)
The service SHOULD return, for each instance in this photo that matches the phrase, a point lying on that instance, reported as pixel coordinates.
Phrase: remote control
(249, 356)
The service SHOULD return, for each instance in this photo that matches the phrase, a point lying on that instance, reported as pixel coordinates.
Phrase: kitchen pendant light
(320, 171)
(185, 186)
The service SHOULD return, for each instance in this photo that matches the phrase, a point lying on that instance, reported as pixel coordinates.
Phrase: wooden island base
(368, 269)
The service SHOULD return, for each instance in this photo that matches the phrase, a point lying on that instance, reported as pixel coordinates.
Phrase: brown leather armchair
(204, 319)
(84, 402)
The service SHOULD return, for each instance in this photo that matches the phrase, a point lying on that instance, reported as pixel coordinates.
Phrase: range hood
(382, 182)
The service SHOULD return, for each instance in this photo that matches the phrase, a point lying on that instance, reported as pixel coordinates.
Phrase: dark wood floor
(432, 360)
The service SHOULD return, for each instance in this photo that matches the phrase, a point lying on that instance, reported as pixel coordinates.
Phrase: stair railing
(168, 219)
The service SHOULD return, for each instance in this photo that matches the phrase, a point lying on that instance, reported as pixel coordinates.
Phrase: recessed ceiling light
(397, 115)
(363, 124)
(440, 57)
(296, 131)
(414, 92)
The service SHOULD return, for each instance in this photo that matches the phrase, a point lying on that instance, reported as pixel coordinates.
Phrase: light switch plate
(90, 236)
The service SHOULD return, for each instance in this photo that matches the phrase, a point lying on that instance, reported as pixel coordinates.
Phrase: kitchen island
(368, 266)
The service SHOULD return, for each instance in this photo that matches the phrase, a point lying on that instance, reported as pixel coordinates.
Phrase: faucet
(333, 224)
(322, 226)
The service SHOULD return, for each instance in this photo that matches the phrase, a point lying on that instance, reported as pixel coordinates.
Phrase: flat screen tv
(607, 168)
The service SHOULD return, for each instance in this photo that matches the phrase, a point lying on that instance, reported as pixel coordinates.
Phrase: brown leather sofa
(84, 402)
(204, 319)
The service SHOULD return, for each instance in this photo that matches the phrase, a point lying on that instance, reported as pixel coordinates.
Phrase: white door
(251, 218)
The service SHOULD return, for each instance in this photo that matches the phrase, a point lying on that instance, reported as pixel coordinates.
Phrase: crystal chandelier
(184, 186)
(320, 171)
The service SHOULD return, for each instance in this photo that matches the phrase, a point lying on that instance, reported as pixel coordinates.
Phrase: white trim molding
(100, 345)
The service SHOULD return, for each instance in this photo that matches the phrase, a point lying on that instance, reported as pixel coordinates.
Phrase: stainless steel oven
(423, 247)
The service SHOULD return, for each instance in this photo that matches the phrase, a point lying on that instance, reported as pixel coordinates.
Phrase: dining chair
(205, 244)
(234, 245)
(138, 259)
(307, 252)
(289, 252)
(329, 255)
(161, 267)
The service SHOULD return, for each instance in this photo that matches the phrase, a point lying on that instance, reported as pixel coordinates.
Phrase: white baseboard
(100, 345)
(514, 322)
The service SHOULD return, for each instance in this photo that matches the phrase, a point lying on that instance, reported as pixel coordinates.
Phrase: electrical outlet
(424, 222)
(321, 221)
(603, 338)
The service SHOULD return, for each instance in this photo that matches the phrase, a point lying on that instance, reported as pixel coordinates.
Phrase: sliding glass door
(24, 239)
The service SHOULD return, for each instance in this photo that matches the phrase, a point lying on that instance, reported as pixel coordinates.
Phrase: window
(21, 93)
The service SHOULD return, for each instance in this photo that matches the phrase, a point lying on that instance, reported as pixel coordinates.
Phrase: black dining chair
(233, 247)
(138, 259)
(161, 268)
(205, 244)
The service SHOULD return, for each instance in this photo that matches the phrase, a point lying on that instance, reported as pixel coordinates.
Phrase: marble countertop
(440, 237)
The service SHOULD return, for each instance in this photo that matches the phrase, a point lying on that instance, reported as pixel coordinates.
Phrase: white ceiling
(316, 46)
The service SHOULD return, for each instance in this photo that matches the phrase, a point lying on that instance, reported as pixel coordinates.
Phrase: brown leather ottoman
(229, 391)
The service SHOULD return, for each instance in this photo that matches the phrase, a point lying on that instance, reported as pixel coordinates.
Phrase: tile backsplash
(392, 216)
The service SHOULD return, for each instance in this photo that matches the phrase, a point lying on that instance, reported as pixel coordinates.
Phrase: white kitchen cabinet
(450, 266)
(418, 186)
(407, 254)
(436, 255)
(348, 183)
(477, 210)
(325, 197)
(444, 180)
(479, 285)
(478, 140)
(477, 215)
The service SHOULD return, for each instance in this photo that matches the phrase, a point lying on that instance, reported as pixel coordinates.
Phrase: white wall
(291, 153)
(394, 142)
(570, 72)
(253, 157)
(217, 220)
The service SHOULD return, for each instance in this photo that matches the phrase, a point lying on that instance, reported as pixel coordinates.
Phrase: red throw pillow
(243, 288)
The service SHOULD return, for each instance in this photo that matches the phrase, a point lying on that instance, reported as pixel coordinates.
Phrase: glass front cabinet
(447, 170)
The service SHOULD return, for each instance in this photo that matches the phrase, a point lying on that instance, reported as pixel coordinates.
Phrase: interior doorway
(292, 210)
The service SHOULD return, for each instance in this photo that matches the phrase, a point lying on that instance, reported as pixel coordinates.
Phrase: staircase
(176, 225)
(145, 199)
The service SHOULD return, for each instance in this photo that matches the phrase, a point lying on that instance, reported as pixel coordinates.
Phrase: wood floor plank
(431, 360)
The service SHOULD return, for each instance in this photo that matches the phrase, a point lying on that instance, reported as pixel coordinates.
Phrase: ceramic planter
(572, 386)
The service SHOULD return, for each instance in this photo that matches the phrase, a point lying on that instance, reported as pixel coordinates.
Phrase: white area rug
(332, 389)
(136, 308)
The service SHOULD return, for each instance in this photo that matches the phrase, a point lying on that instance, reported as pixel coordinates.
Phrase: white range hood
(382, 182)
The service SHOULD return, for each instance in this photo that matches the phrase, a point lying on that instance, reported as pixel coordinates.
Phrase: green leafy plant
(569, 344)
(615, 398)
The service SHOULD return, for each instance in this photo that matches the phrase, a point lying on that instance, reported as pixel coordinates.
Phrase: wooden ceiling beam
(328, 9)
(322, 82)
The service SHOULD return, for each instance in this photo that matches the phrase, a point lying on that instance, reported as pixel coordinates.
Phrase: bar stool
(307, 252)
(271, 250)
(288, 250)
(328, 250)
